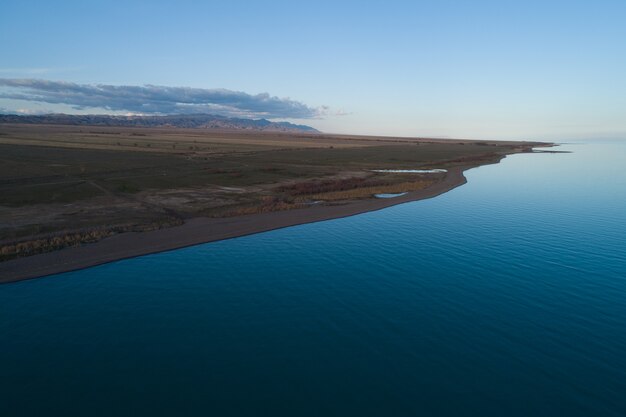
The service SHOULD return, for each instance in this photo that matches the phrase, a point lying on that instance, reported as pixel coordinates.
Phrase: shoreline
(202, 230)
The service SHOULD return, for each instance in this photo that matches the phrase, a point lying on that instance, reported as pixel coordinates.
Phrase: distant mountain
(196, 121)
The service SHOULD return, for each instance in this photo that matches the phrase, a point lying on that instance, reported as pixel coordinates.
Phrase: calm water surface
(504, 297)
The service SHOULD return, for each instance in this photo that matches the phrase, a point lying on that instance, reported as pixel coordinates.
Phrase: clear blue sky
(491, 69)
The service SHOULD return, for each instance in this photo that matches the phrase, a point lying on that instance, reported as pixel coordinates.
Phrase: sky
(467, 69)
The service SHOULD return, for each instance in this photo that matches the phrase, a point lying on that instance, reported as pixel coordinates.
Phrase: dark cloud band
(154, 99)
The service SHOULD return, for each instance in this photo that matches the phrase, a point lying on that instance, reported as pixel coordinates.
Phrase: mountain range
(197, 121)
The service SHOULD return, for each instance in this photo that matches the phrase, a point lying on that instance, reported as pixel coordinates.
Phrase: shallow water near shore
(503, 297)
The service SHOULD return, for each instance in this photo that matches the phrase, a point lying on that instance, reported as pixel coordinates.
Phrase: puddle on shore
(412, 171)
(389, 195)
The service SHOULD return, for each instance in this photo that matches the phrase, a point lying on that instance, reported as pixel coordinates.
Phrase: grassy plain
(66, 185)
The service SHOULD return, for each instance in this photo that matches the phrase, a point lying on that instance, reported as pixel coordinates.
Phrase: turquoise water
(504, 297)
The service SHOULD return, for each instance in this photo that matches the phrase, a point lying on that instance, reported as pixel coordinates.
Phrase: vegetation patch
(369, 191)
(350, 188)
(60, 241)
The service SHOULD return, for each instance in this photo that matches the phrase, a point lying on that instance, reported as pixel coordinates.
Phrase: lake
(503, 297)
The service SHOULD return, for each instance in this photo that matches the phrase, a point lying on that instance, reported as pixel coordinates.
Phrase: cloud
(154, 99)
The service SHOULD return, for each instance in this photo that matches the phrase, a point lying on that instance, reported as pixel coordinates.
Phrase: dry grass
(266, 205)
(367, 192)
(55, 242)
(351, 188)
(168, 140)
(308, 188)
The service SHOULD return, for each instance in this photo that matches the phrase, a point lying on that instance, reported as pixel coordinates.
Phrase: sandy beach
(203, 230)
